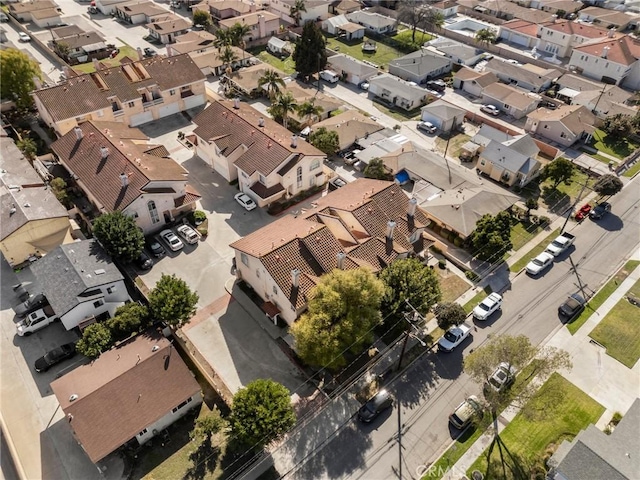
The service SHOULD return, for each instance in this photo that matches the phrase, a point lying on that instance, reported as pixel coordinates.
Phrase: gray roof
(431, 167)
(420, 62)
(520, 73)
(277, 43)
(372, 19)
(523, 144)
(487, 133)
(398, 86)
(443, 110)
(35, 202)
(72, 269)
(508, 158)
(593, 454)
(351, 65)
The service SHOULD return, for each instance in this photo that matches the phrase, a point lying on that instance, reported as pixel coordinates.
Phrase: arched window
(153, 211)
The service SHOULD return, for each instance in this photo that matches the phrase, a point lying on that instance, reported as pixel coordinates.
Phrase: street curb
(12, 449)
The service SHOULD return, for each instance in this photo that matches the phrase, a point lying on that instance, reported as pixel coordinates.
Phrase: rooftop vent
(78, 132)
(413, 203)
(155, 348)
(100, 271)
(261, 122)
(104, 152)
(391, 226)
(73, 397)
(236, 103)
(124, 179)
(340, 260)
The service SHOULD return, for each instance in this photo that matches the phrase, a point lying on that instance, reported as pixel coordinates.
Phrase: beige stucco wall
(36, 237)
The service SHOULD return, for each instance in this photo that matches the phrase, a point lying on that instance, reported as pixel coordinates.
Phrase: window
(110, 290)
(186, 402)
(507, 106)
(131, 104)
(153, 211)
(315, 164)
(172, 92)
(244, 259)
(299, 175)
(98, 303)
(144, 430)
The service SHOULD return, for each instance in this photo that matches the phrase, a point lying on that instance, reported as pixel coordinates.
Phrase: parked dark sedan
(54, 357)
(600, 210)
(144, 261)
(376, 405)
(31, 304)
(155, 247)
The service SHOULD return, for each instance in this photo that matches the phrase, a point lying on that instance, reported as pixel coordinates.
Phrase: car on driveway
(144, 261)
(245, 200)
(172, 241)
(600, 210)
(572, 307)
(426, 127)
(189, 234)
(539, 264)
(490, 109)
(364, 86)
(155, 247)
(437, 85)
(55, 356)
(21, 292)
(23, 37)
(149, 52)
(375, 406)
(466, 412)
(34, 302)
(501, 379)
(453, 337)
(487, 306)
(36, 321)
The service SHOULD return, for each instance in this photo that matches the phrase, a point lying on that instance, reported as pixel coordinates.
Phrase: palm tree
(283, 106)
(434, 19)
(238, 32)
(309, 109)
(223, 38)
(296, 10)
(485, 36)
(272, 81)
(228, 56)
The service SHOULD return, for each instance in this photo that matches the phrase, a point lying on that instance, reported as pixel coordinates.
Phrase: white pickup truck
(560, 244)
(36, 321)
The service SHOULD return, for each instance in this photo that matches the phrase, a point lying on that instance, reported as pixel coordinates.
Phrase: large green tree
(608, 185)
(171, 301)
(449, 314)
(129, 318)
(309, 55)
(260, 413)
(492, 237)
(17, 74)
(343, 310)
(485, 36)
(409, 283)
(272, 82)
(201, 17)
(327, 141)
(560, 170)
(282, 106)
(415, 14)
(96, 338)
(619, 125)
(377, 170)
(28, 147)
(119, 235)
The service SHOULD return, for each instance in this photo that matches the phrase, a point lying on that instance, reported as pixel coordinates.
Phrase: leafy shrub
(471, 275)
(442, 263)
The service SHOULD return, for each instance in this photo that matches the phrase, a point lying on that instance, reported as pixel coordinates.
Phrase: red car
(583, 212)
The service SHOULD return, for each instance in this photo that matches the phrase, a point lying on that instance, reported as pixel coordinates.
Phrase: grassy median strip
(619, 331)
(528, 439)
(520, 264)
(604, 293)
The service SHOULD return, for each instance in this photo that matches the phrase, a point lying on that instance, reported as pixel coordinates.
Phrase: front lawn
(528, 439)
(558, 199)
(451, 285)
(600, 297)
(381, 57)
(522, 233)
(125, 51)
(619, 331)
(632, 171)
(520, 264)
(455, 144)
(470, 305)
(619, 148)
(286, 65)
(404, 37)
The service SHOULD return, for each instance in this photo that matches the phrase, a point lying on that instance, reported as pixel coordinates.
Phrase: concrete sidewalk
(603, 378)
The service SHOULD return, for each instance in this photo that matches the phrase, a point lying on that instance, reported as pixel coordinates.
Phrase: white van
(329, 76)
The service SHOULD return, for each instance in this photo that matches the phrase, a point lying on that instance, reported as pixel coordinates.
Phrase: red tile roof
(579, 29)
(123, 391)
(625, 50)
(522, 26)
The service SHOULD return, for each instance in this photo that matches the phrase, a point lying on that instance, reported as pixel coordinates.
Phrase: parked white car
(539, 264)
(172, 241)
(189, 234)
(427, 127)
(501, 378)
(490, 109)
(23, 37)
(245, 200)
(489, 305)
(36, 321)
(453, 337)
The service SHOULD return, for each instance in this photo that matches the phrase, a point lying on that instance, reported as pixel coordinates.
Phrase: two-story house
(137, 13)
(119, 171)
(223, 9)
(367, 223)
(128, 395)
(528, 77)
(262, 24)
(132, 93)
(565, 125)
(419, 66)
(315, 10)
(268, 161)
(397, 92)
(81, 283)
(165, 28)
(560, 37)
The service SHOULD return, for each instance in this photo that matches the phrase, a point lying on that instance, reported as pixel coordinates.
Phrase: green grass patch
(404, 38)
(528, 439)
(397, 113)
(619, 147)
(520, 264)
(561, 197)
(522, 233)
(381, 57)
(470, 305)
(597, 156)
(619, 331)
(286, 65)
(125, 51)
(632, 171)
(451, 285)
(455, 144)
(604, 293)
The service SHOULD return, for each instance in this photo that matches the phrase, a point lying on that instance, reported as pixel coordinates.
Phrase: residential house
(555, 6)
(42, 9)
(225, 9)
(510, 100)
(601, 99)
(268, 161)
(519, 32)
(119, 171)
(612, 61)
(107, 7)
(80, 47)
(511, 162)
(127, 395)
(528, 77)
(341, 26)
(34, 222)
(509, 11)
(446, 8)
(316, 10)
(367, 223)
(596, 454)
(419, 66)
(132, 93)
(351, 70)
(488, 133)
(278, 47)
(165, 28)
(373, 22)
(397, 92)
(208, 59)
(46, 18)
(198, 41)
(457, 52)
(137, 13)
(473, 82)
(81, 283)
(350, 126)
(566, 125)
(559, 38)
(444, 115)
(263, 25)
(341, 7)
(606, 18)
(245, 81)
(303, 93)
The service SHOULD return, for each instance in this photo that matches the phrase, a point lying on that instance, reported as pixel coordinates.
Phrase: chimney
(605, 52)
(140, 55)
(294, 141)
(236, 103)
(391, 226)
(340, 260)
(104, 152)
(611, 32)
(252, 7)
(124, 179)
(261, 122)
(96, 64)
(295, 278)
(78, 132)
(554, 18)
(262, 29)
(413, 203)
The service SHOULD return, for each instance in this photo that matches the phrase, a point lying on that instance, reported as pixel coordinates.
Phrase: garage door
(141, 118)
(193, 101)
(170, 109)
(520, 40)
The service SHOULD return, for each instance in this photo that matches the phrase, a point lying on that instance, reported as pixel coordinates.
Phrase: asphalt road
(434, 385)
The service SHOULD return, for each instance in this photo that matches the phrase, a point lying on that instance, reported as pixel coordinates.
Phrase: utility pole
(580, 286)
(399, 444)
(446, 148)
(599, 97)
(584, 185)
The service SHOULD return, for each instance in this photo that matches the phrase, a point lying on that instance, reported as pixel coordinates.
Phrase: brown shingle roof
(349, 125)
(624, 51)
(23, 7)
(168, 24)
(579, 29)
(102, 177)
(248, 19)
(509, 95)
(522, 26)
(122, 392)
(136, 8)
(76, 41)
